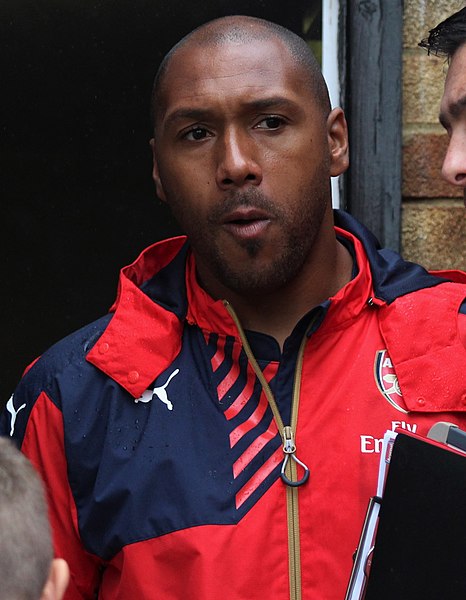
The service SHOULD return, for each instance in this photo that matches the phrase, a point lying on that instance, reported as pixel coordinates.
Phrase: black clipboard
(419, 550)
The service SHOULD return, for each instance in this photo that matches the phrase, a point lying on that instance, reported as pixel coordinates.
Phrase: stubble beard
(254, 275)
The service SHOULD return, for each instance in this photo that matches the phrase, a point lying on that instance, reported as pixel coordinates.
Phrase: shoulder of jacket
(67, 353)
(421, 334)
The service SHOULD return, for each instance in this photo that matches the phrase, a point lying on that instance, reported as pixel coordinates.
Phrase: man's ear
(57, 582)
(155, 173)
(337, 136)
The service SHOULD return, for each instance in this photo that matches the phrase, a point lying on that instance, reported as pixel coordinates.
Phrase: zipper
(289, 471)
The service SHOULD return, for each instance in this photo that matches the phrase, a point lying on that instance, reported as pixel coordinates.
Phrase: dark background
(77, 201)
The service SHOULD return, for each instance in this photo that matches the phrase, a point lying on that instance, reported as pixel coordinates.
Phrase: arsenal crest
(386, 380)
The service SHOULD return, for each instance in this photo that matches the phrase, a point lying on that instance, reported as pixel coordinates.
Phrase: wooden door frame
(371, 36)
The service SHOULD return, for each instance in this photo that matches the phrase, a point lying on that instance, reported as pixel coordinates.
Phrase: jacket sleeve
(35, 423)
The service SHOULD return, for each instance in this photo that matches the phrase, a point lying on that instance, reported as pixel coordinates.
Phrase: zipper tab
(289, 449)
(289, 446)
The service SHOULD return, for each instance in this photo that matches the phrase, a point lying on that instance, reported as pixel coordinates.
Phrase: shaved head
(239, 30)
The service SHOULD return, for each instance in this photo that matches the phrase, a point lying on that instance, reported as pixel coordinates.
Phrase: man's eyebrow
(259, 104)
(272, 102)
(194, 114)
(453, 110)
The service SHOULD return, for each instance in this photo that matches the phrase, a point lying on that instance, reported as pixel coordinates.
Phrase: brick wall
(433, 215)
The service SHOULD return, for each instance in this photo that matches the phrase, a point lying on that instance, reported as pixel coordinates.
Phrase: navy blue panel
(140, 470)
(264, 347)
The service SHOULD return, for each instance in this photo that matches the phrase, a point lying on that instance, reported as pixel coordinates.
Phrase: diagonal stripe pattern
(247, 411)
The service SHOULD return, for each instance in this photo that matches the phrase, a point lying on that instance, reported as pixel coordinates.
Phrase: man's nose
(454, 163)
(238, 163)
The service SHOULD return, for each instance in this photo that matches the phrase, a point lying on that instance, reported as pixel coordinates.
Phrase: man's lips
(247, 222)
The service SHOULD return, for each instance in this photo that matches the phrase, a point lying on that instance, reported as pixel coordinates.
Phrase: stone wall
(433, 214)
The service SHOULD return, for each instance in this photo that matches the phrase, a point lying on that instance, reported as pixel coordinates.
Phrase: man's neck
(276, 313)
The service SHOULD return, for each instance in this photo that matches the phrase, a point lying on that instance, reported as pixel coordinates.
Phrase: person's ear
(337, 136)
(155, 173)
(57, 582)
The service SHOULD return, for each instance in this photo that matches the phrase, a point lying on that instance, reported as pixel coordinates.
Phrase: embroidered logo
(386, 380)
(14, 413)
(160, 392)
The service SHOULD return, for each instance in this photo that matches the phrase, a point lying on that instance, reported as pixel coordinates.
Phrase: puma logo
(14, 413)
(160, 392)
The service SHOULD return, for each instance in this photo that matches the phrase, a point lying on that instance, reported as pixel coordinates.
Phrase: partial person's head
(448, 40)
(27, 568)
(244, 147)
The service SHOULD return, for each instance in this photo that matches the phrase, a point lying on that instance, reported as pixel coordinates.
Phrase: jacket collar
(392, 275)
(129, 351)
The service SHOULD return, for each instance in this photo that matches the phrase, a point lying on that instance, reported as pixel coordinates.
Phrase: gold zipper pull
(289, 449)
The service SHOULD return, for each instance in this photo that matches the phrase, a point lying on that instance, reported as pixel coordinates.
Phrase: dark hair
(238, 29)
(448, 36)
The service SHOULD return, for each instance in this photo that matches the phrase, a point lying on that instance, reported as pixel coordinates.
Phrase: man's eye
(198, 133)
(270, 123)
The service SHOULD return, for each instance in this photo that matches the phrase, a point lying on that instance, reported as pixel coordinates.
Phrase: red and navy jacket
(160, 453)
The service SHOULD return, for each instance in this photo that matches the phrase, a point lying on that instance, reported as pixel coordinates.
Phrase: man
(27, 568)
(448, 39)
(218, 434)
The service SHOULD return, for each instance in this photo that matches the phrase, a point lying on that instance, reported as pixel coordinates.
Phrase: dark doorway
(77, 196)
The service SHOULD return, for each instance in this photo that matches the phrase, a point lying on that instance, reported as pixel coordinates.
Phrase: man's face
(453, 118)
(243, 155)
